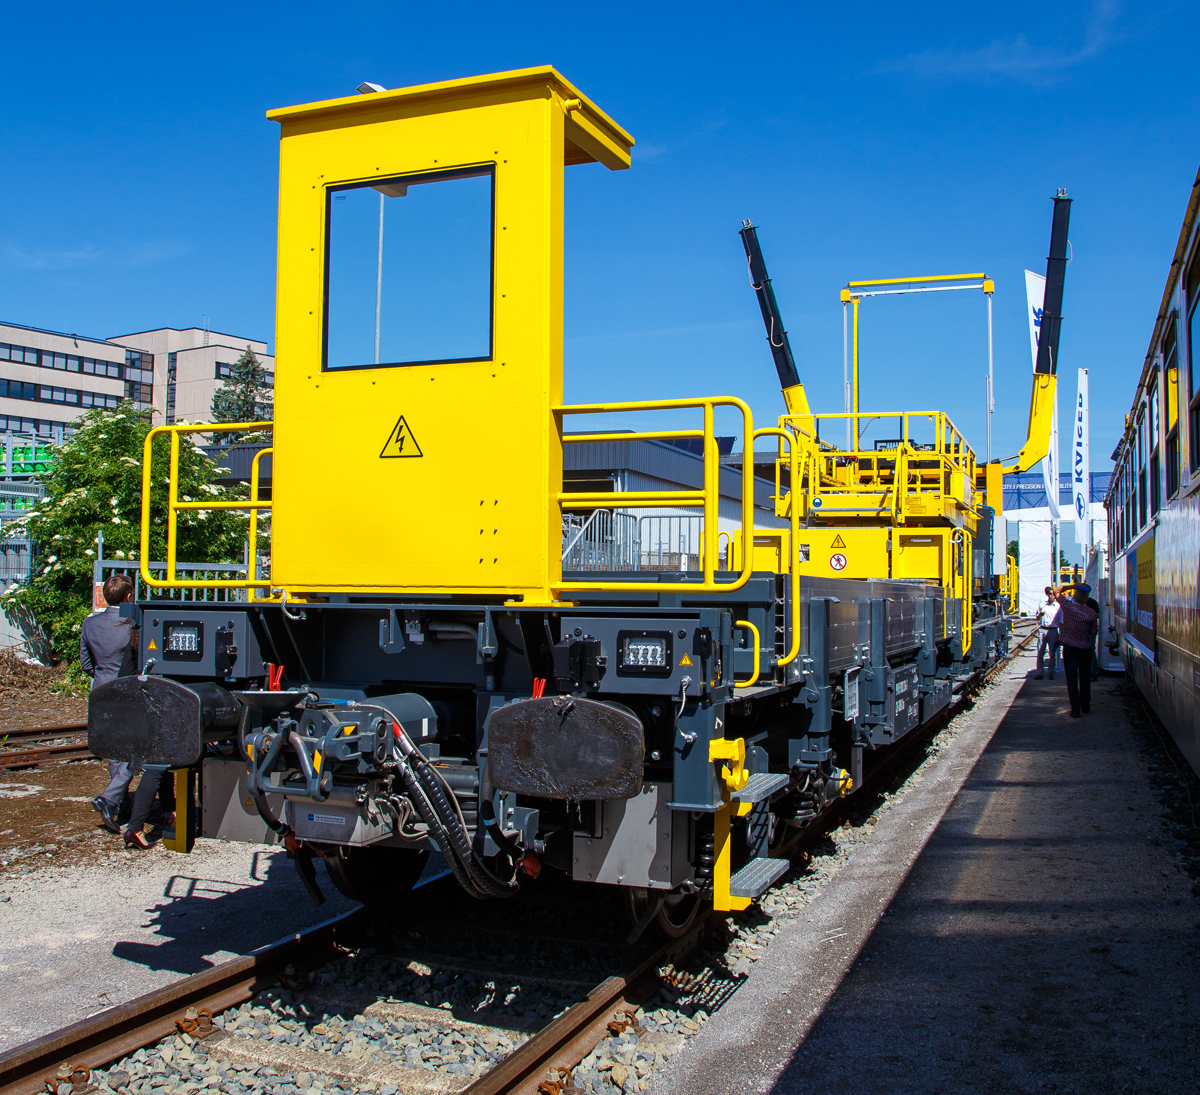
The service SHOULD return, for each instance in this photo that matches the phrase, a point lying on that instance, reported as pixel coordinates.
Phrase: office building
(49, 378)
(189, 365)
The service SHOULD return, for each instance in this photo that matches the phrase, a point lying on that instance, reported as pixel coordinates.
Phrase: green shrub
(96, 483)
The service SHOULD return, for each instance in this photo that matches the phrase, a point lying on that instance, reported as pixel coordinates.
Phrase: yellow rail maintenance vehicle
(418, 670)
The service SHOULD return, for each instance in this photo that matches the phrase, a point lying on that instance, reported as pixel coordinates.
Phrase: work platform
(1021, 919)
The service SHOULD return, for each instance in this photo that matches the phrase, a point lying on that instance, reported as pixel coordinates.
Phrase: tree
(1014, 549)
(245, 395)
(95, 483)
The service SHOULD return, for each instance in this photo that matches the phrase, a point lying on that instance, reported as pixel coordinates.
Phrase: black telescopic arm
(781, 349)
(1056, 272)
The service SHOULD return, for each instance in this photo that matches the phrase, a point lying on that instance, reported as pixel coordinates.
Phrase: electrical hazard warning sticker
(838, 542)
(837, 561)
(685, 660)
(400, 442)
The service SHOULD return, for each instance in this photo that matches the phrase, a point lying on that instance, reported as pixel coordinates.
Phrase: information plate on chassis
(338, 822)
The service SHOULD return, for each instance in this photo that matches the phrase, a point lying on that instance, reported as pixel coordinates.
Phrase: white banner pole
(1081, 468)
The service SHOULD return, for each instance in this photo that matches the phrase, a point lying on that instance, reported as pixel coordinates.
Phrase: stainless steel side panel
(905, 619)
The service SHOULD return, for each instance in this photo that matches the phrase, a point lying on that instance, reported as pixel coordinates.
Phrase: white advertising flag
(1080, 468)
(1035, 292)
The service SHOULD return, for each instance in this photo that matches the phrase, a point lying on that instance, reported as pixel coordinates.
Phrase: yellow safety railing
(793, 570)
(859, 471)
(707, 497)
(174, 505)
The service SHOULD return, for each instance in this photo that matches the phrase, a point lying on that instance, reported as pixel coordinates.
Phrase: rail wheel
(378, 877)
(676, 914)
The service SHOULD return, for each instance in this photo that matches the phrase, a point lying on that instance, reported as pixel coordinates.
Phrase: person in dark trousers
(1094, 605)
(150, 785)
(1077, 633)
(107, 651)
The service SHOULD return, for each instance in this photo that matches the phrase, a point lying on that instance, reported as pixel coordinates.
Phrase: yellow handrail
(793, 539)
(254, 504)
(757, 640)
(709, 497)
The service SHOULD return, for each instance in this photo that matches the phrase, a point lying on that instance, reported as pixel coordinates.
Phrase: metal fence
(616, 540)
(21, 458)
(606, 540)
(102, 568)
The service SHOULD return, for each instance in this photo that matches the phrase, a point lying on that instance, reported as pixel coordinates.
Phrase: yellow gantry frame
(935, 283)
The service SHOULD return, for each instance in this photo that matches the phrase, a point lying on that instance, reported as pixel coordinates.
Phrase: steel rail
(29, 755)
(122, 1030)
(563, 1043)
(566, 1040)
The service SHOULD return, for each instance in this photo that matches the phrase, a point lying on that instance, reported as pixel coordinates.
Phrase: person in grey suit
(107, 651)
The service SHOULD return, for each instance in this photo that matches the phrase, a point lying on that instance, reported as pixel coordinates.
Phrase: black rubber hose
(438, 832)
(437, 798)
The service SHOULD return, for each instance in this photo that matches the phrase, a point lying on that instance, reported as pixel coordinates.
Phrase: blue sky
(866, 140)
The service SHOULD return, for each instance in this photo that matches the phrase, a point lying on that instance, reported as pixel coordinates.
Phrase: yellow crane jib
(1045, 371)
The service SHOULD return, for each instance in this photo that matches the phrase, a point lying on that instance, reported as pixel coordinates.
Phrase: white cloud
(131, 256)
(1014, 59)
(22, 259)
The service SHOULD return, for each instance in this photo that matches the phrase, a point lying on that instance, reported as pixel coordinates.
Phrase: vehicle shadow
(202, 922)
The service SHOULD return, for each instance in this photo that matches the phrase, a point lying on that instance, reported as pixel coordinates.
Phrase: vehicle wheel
(677, 912)
(380, 878)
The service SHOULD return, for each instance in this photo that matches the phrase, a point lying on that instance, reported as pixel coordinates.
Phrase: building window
(172, 360)
(45, 393)
(224, 370)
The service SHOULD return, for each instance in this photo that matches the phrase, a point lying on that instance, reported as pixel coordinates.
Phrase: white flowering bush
(96, 483)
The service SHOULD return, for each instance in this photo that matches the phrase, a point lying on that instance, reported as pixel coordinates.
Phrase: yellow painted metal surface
(474, 508)
(756, 638)
(1041, 416)
(844, 552)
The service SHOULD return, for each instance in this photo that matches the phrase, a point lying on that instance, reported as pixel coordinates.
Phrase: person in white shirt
(1049, 617)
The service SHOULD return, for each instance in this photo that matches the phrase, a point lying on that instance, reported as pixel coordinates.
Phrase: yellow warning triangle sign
(685, 660)
(153, 645)
(838, 542)
(400, 442)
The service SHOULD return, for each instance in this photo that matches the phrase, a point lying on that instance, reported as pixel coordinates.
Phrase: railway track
(26, 748)
(511, 1052)
(254, 996)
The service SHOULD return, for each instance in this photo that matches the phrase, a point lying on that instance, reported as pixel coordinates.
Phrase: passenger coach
(1153, 507)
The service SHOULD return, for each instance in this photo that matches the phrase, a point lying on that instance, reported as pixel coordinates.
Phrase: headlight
(645, 652)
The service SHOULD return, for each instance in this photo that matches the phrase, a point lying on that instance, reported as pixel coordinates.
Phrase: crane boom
(781, 349)
(1045, 372)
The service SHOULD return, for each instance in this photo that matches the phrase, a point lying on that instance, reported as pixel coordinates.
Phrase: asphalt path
(1019, 922)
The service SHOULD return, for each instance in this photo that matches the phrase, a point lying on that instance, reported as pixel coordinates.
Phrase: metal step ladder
(761, 785)
(754, 878)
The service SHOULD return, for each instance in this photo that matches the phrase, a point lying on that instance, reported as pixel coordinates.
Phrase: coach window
(1155, 441)
(1140, 441)
(1171, 386)
(1193, 347)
